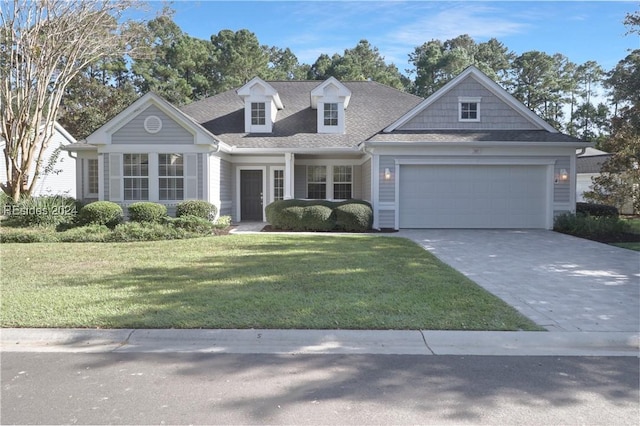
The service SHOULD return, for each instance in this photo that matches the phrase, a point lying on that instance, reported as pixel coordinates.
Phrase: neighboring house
(57, 169)
(469, 156)
(588, 165)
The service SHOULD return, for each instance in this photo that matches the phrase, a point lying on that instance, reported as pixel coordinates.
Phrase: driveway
(562, 283)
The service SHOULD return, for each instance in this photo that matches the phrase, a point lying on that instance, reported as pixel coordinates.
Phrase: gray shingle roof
(372, 107)
(591, 164)
(473, 136)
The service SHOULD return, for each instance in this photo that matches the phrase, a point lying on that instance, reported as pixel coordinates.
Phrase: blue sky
(581, 30)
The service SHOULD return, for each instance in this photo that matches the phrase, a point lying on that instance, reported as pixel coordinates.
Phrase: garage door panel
(472, 196)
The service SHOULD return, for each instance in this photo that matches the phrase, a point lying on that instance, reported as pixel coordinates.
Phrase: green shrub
(354, 217)
(101, 213)
(146, 211)
(599, 210)
(596, 228)
(193, 224)
(199, 208)
(25, 235)
(5, 204)
(146, 231)
(85, 234)
(43, 211)
(223, 222)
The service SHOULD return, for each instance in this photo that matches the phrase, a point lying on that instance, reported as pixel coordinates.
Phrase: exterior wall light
(564, 175)
(387, 173)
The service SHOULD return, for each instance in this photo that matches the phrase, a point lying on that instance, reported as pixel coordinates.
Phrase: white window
(136, 177)
(331, 114)
(468, 109)
(342, 182)
(92, 176)
(170, 177)
(317, 182)
(278, 184)
(258, 114)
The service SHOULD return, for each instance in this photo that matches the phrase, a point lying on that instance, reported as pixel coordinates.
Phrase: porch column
(288, 175)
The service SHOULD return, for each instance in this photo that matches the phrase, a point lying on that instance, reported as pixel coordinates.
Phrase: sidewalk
(383, 342)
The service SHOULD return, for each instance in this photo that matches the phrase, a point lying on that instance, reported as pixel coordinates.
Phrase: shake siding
(366, 180)
(170, 134)
(387, 187)
(494, 113)
(561, 190)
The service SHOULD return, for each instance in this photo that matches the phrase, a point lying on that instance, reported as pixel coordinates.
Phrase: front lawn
(244, 281)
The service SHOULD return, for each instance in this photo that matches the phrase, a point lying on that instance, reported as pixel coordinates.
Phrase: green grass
(244, 281)
(630, 246)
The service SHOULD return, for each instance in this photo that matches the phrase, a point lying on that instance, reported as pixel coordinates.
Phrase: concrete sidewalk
(386, 342)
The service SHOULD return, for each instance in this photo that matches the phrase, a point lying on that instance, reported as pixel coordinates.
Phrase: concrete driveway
(560, 282)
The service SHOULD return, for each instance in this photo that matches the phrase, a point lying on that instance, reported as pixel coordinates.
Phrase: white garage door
(473, 196)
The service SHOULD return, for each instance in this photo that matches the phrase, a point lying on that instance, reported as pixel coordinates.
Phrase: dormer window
(261, 105)
(331, 114)
(469, 109)
(330, 99)
(258, 116)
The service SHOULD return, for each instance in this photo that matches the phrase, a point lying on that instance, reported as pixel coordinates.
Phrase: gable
(495, 113)
(152, 126)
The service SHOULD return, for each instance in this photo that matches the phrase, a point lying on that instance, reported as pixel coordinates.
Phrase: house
(57, 168)
(469, 156)
(588, 165)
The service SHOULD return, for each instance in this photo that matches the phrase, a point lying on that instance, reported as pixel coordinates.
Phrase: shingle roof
(373, 106)
(473, 136)
(591, 164)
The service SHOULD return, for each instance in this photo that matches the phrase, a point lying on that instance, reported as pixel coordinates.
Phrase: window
(278, 185)
(136, 177)
(317, 182)
(258, 113)
(92, 176)
(342, 182)
(331, 114)
(170, 177)
(469, 109)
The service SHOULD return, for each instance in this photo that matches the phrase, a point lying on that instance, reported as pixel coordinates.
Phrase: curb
(380, 342)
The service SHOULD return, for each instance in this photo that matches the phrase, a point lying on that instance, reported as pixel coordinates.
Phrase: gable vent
(152, 124)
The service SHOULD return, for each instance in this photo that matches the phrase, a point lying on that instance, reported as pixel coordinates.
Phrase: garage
(473, 196)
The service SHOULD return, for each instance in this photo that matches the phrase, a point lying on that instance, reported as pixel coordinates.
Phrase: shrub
(354, 217)
(222, 222)
(199, 208)
(146, 211)
(85, 234)
(596, 228)
(101, 213)
(320, 215)
(5, 204)
(43, 211)
(599, 210)
(193, 224)
(28, 236)
(145, 231)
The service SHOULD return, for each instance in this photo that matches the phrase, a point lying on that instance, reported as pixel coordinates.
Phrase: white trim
(263, 169)
(272, 186)
(484, 161)
(85, 178)
(469, 100)
(149, 128)
(375, 189)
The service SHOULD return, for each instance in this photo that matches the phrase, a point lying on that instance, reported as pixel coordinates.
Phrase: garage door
(473, 196)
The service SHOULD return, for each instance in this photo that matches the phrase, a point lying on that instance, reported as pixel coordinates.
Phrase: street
(205, 388)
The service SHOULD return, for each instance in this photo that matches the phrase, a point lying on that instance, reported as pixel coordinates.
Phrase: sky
(580, 30)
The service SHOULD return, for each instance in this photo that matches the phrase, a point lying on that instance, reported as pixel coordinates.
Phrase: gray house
(469, 156)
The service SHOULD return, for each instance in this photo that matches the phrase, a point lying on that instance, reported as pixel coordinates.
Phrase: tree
(284, 65)
(43, 46)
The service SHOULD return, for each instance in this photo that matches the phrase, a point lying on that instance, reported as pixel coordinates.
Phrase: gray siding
(105, 177)
(386, 218)
(494, 113)
(134, 133)
(387, 187)
(225, 181)
(562, 190)
(357, 182)
(366, 180)
(300, 182)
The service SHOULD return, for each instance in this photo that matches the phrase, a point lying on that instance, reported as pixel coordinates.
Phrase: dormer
(330, 99)
(261, 104)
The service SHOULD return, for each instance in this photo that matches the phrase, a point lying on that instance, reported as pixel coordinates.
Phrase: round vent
(152, 124)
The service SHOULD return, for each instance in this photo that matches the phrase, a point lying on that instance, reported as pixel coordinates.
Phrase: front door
(251, 195)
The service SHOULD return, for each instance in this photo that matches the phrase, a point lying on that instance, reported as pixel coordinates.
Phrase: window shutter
(115, 178)
(191, 176)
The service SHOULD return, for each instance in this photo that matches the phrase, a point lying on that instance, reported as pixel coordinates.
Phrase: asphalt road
(197, 388)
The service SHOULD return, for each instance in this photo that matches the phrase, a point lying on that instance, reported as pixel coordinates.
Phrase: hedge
(597, 210)
(101, 213)
(146, 211)
(200, 208)
(320, 215)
